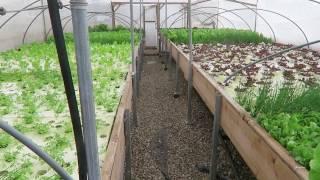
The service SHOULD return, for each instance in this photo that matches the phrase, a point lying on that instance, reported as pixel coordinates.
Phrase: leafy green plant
(290, 113)
(40, 81)
(67, 126)
(41, 128)
(9, 156)
(5, 140)
(314, 173)
(213, 36)
(21, 173)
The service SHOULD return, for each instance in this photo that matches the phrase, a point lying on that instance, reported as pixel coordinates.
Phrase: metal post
(113, 17)
(177, 91)
(36, 149)
(134, 69)
(127, 129)
(57, 30)
(215, 137)
(44, 23)
(256, 17)
(166, 44)
(158, 26)
(217, 23)
(170, 63)
(189, 116)
(80, 29)
(139, 52)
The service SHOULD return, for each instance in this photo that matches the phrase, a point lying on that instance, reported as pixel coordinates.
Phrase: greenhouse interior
(159, 89)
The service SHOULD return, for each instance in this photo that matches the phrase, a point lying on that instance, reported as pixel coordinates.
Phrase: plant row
(213, 36)
(32, 99)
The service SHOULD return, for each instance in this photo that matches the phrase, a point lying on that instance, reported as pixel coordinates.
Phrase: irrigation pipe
(35, 148)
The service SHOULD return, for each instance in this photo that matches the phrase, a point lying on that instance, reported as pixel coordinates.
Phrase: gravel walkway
(163, 145)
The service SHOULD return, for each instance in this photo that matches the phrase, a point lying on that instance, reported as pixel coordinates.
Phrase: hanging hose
(68, 84)
(36, 149)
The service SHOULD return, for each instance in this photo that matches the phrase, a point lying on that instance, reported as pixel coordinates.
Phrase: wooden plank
(266, 157)
(113, 166)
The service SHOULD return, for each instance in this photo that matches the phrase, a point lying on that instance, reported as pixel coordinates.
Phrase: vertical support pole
(189, 115)
(217, 23)
(170, 62)
(140, 50)
(177, 91)
(113, 18)
(215, 137)
(144, 21)
(158, 26)
(69, 87)
(81, 37)
(166, 54)
(256, 17)
(44, 23)
(134, 68)
(127, 136)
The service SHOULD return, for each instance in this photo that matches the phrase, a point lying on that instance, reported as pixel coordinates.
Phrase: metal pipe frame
(272, 12)
(232, 11)
(204, 14)
(81, 36)
(33, 20)
(12, 16)
(166, 43)
(69, 87)
(190, 71)
(134, 68)
(177, 90)
(45, 37)
(257, 14)
(215, 137)
(212, 7)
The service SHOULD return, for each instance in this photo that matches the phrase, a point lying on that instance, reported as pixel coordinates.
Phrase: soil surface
(163, 145)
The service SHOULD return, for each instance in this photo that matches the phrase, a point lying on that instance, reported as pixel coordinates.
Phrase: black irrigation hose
(69, 87)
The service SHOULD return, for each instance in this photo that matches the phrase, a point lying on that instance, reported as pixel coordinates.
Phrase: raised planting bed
(32, 99)
(270, 111)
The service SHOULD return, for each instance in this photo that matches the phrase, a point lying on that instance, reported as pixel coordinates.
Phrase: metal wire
(212, 7)
(33, 20)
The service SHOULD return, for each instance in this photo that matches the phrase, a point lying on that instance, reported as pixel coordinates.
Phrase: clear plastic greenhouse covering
(285, 21)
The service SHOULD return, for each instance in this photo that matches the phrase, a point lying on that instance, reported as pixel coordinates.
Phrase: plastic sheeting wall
(304, 13)
(11, 35)
(208, 14)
